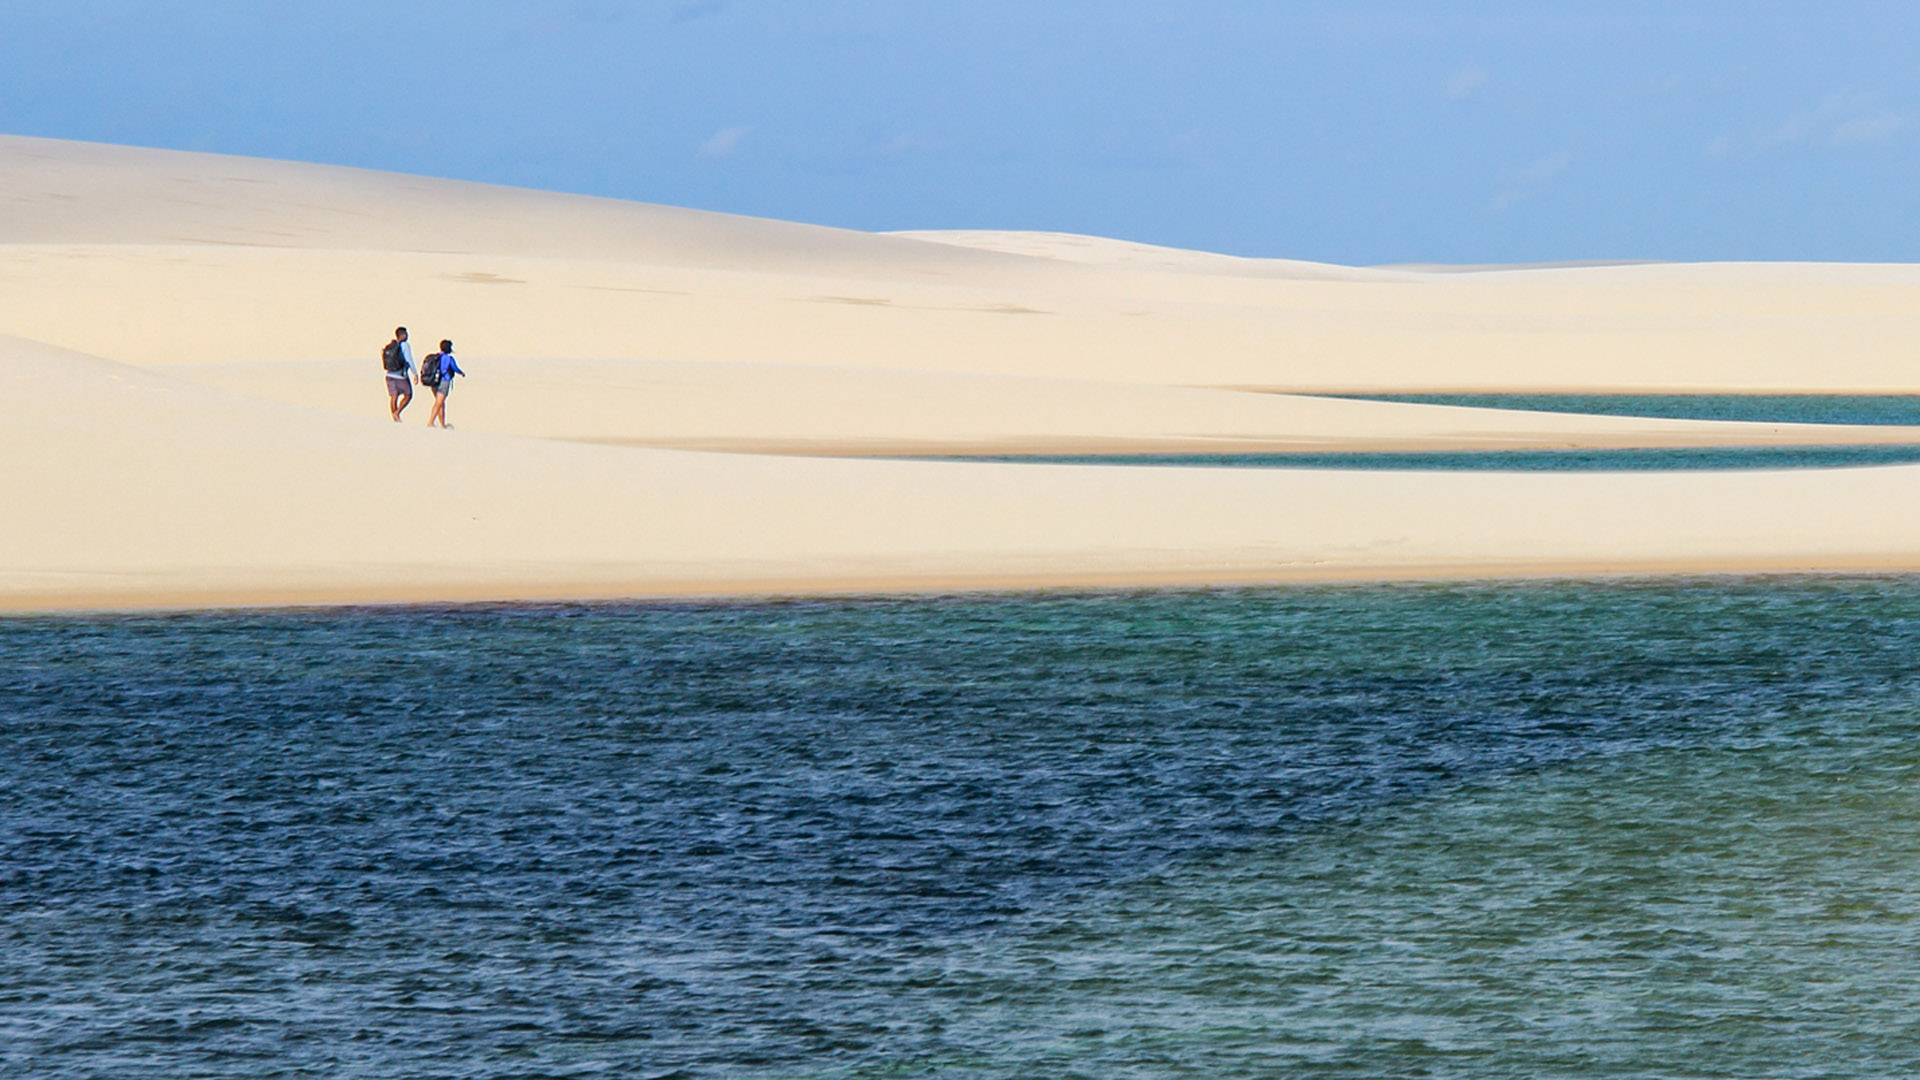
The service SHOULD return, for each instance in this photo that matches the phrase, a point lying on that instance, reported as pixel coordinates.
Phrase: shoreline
(777, 589)
(1121, 449)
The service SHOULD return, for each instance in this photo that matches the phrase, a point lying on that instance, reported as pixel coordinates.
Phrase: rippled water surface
(1879, 409)
(1770, 408)
(1642, 460)
(1619, 829)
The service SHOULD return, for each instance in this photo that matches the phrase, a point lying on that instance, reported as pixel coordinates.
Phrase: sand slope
(786, 408)
(226, 498)
(193, 411)
(211, 258)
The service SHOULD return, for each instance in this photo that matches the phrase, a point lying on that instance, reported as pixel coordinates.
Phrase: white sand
(792, 408)
(194, 414)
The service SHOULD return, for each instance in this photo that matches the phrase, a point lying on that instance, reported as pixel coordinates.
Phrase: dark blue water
(1765, 408)
(1596, 829)
(1769, 408)
(1642, 460)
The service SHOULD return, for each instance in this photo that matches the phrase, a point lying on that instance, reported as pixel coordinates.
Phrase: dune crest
(1132, 255)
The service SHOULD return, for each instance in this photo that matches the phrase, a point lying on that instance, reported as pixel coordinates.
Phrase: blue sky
(1357, 132)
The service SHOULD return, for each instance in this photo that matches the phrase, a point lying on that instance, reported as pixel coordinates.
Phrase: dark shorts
(398, 386)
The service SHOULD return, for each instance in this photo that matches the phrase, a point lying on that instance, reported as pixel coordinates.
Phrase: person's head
(399, 333)
(446, 346)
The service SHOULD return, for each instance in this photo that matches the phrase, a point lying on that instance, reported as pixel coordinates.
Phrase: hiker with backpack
(437, 373)
(397, 359)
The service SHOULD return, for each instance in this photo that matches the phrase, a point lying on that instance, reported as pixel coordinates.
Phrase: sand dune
(210, 258)
(1126, 254)
(133, 487)
(193, 415)
(61, 192)
(782, 408)
(1734, 328)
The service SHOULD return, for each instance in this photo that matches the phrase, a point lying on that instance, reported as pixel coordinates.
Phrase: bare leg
(439, 411)
(400, 404)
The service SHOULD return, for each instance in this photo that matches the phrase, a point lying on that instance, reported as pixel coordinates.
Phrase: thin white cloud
(724, 142)
(1530, 176)
(1798, 127)
(1848, 118)
(1465, 82)
(1545, 168)
(1867, 130)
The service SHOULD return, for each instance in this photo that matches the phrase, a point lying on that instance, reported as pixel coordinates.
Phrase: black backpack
(430, 370)
(393, 359)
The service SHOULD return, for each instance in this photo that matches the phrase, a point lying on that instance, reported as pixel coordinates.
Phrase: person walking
(397, 359)
(448, 368)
